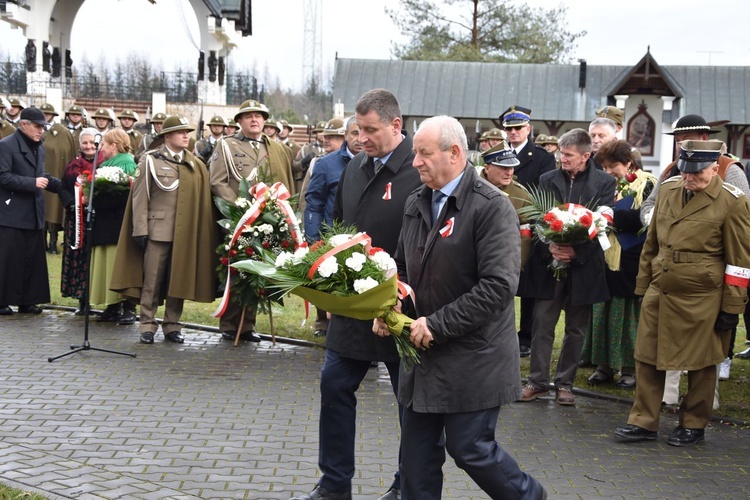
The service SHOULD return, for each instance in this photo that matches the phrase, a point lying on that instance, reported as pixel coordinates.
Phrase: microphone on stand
(97, 140)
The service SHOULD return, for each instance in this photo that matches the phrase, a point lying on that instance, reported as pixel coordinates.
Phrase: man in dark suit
(533, 161)
(463, 268)
(23, 265)
(371, 195)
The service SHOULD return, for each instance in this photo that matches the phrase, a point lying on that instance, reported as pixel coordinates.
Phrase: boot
(128, 313)
(81, 308)
(52, 243)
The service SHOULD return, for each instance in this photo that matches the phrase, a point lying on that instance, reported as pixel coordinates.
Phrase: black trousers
(470, 439)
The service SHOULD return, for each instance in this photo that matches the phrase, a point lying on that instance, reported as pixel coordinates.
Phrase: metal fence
(179, 86)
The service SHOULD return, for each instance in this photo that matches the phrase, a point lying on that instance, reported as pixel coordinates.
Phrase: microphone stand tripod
(86, 345)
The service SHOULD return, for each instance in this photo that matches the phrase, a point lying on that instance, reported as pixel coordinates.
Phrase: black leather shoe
(128, 315)
(175, 337)
(5, 311)
(323, 494)
(147, 338)
(320, 333)
(685, 437)
(250, 336)
(524, 351)
(32, 309)
(742, 355)
(112, 313)
(391, 494)
(632, 434)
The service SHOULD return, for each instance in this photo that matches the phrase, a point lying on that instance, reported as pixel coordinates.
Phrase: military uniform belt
(688, 257)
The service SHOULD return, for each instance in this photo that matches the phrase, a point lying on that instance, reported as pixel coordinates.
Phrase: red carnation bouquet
(573, 224)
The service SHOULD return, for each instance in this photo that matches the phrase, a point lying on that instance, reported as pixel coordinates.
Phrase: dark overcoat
(586, 275)
(361, 201)
(464, 283)
(534, 162)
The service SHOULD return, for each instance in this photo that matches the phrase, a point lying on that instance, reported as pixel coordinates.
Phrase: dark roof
(483, 90)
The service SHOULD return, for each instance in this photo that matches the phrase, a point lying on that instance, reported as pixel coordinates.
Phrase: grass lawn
(734, 393)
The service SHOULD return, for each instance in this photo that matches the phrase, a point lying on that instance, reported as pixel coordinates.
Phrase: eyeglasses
(510, 129)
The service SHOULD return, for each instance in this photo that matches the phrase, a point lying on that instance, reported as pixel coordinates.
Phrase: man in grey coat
(463, 266)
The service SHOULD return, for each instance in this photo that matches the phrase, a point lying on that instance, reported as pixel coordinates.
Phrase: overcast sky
(680, 32)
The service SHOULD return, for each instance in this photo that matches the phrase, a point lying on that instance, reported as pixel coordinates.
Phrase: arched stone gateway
(47, 26)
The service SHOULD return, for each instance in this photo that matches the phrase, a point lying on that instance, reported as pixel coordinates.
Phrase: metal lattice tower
(312, 45)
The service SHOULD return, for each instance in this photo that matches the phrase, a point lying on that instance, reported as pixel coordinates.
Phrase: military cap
(613, 113)
(516, 116)
(158, 118)
(252, 105)
(501, 155)
(494, 133)
(232, 123)
(319, 127)
(175, 123)
(285, 124)
(217, 120)
(692, 123)
(541, 139)
(128, 113)
(698, 155)
(546, 139)
(102, 113)
(334, 126)
(17, 102)
(33, 115)
(552, 139)
(48, 109)
(74, 109)
(483, 137)
(274, 124)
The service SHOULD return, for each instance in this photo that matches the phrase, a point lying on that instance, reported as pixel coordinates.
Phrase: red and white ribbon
(262, 194)
(448, 228)
(737, 276)
(525, 230)
(387, 195)
(80, 207)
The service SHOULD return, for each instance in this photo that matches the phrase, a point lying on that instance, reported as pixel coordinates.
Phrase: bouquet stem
(398, 325)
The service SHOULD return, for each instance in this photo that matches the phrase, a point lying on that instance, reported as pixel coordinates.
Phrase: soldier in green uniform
(231, 127)
(128, 118)
(693, 278)
(204, 148)
(272, 129)
(285, 139)
(60, 148)
(499, 164)
(10, 122)
(152, 140)
(74, 121)
(168, 238)
(102, 120)
(253, 155)
(306, 154)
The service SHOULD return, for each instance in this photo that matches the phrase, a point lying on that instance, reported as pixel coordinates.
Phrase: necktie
(177, 158)
(378, 166)
(437, 204)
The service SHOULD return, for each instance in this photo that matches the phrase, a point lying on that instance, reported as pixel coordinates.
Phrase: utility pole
(312, 45)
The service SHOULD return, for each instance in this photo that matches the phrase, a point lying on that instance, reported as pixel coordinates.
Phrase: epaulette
(672, 179)
(734, 190)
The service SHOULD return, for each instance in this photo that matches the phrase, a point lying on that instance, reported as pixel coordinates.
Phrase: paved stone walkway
(207, 420)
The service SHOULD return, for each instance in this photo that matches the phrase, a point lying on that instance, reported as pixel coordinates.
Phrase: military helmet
(495, 133)
(319, 127)
(128, 113)
(158, 118)
(334, 126)
(48, 109)
(15, 101)
(541, 139)
(175, 123)
(232, 123)
(285, 124)
(217, 120)
(102, 113)
(274, 124)
(75, 109)
(252, 105)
